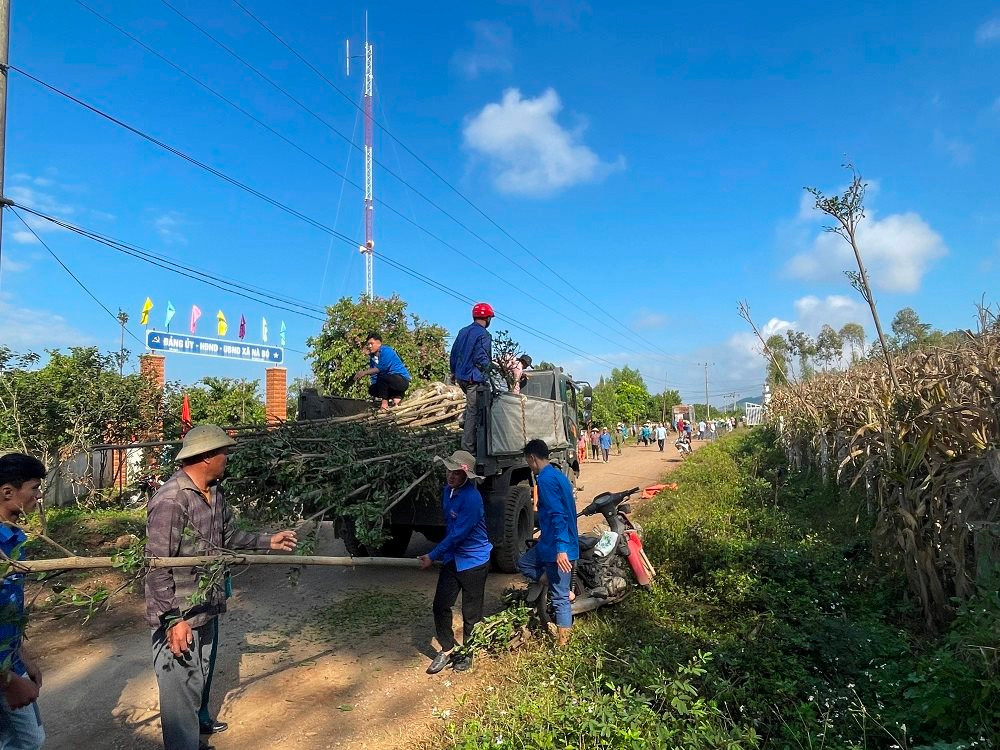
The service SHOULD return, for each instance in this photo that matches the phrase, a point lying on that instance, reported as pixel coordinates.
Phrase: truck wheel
(394, 546)
(518, 527)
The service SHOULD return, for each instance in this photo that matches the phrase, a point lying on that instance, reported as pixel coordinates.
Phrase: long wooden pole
(89, 563)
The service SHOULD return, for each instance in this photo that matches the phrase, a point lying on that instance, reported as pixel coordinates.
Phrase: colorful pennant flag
(223, 325)
(195, 314)
(185, 416)
(243, 327)
(146, 307)
(263, 330)
(170, 314)
(282, 334)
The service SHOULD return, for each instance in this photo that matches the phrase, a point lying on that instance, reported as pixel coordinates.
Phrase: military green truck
(551, 406)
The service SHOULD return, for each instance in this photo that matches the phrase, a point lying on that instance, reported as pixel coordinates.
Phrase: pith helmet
(204, 438)
(461, 461)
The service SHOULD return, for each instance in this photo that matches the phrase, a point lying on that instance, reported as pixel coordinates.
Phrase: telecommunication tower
(368, 249)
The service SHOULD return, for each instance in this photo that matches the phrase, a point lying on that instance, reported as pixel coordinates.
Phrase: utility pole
(708, 409)
(4, 56)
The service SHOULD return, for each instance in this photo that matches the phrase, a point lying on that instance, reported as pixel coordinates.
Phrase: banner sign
(182, 343)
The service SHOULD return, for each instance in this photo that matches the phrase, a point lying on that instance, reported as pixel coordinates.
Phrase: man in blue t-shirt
(558, 545)
(388, 376)
(464, 554)
(20, 722)
(470, 361)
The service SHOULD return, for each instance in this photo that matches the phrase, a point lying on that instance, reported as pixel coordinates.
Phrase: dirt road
(336, 661)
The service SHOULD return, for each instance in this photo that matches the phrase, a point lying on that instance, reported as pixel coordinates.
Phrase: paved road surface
(277, 683)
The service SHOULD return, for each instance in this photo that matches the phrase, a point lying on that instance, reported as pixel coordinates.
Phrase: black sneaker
(439, 662)
(462, 663)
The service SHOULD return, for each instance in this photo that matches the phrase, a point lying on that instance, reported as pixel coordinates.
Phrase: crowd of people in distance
(596, 444)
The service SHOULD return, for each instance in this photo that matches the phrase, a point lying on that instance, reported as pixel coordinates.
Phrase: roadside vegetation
(770, 626)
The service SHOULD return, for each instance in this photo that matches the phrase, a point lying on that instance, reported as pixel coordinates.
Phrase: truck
(551, 406)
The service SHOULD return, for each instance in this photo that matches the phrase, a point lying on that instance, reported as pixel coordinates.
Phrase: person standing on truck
(464, 554)
(388, 376)
(471, 355)
(558, 545)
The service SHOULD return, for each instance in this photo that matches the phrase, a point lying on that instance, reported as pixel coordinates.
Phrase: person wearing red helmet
(471, 355)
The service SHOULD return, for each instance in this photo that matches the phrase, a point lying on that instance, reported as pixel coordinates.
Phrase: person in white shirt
(701, 429)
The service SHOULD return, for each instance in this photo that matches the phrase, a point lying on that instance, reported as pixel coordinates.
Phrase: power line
(332, 169)
(75, 278)
(426, 165)
(274, 202)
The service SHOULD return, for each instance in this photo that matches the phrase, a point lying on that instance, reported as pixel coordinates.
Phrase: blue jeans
(20, 728)
(559, 584)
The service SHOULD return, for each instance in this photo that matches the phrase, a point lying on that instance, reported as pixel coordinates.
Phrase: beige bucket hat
(204, 438)
(461, 461)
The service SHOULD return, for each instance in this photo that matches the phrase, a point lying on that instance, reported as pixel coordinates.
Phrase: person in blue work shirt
(605, 443)
(388, 376)
(20, 722)
(464, 554)
(558, 545)
(471, 355)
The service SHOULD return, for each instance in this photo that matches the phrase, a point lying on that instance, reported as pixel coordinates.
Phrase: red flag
(185, 416)
(243, 327)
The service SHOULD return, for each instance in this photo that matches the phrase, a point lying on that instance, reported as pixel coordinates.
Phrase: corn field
(927, 456)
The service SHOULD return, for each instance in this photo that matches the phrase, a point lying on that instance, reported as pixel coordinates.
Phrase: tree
(221, 401)
(909, 330)
(661, 405)
(848, 210)
(604, 409)
(800, 344)
(336, 352)
(543, 365)
(75, 400)
(853, 335)
(777, 366)
(631, 395)
(295, 389)
(829, 346)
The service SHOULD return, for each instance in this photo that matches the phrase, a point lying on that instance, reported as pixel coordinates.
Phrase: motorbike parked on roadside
(611, 561)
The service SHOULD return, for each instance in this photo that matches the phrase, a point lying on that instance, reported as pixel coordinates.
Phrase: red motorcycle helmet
(482, 310)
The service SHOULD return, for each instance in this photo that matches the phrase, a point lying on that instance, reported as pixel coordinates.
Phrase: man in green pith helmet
(188, 517)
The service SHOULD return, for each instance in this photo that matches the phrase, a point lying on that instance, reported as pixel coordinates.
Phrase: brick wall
(154, 367)
(276, 394)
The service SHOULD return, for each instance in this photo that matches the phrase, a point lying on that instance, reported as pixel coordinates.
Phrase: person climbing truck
(388, 376)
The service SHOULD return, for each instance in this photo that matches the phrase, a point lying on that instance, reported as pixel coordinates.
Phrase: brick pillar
(276, 394)
(153, 367)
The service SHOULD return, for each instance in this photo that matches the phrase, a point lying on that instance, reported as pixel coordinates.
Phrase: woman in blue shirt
(464, 554)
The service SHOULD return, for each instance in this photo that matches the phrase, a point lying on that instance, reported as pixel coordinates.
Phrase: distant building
(685, 411)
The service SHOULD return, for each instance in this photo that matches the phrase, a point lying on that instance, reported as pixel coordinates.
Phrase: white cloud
(812, 312)
(491, 50)
(897, 250)
(957, 150)
(23, 328)
(647, 319)
(168, 226)
(528, 151)
(989, 31)
(25, 191)
(24, 237)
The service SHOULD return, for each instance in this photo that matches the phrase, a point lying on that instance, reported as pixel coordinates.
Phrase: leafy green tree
(909, 331)
(631, 395)
(661, 405)
(777, 370)
(337, 352)
(853, 335)
(604, 407)
(76, 399)
(221, 401)
(801, 345)
(829, 346)
(543, 365)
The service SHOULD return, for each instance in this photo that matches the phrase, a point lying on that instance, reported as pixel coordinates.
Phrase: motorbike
(611, 561)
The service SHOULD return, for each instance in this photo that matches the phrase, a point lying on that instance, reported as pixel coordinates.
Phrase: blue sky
(652, 154)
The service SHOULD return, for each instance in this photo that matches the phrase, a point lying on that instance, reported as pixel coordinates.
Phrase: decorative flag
(223, 325)
(170, 314)
(243, 327)
(263, 330)
(146, 307)
(185, 416)
(195, 314)
(281, 335)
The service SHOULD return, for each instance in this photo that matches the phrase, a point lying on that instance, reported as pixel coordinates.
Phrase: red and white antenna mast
(368, 249)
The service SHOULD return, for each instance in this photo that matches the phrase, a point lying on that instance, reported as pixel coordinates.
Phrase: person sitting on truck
(464, 554)
(387, 374)
(558, 545)
(471, 355)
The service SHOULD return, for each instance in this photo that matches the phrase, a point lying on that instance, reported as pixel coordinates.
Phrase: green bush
(769, 626)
